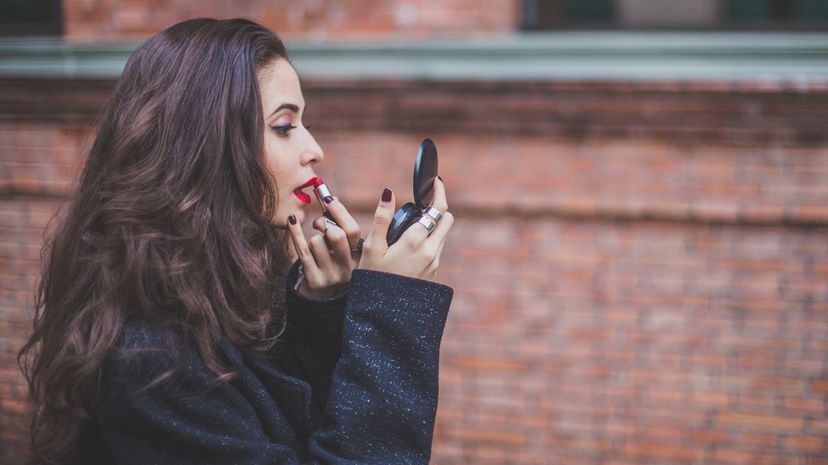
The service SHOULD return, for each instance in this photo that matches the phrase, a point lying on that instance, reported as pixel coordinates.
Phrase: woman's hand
(416, 254)
(327, 259)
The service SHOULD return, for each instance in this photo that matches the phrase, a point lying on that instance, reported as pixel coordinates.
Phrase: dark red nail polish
(329, 199)
(292, 219)
(386, 195)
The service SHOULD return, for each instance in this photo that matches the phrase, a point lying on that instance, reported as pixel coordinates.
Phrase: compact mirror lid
(425, 170)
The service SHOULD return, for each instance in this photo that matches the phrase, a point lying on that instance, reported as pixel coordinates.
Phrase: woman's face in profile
(290, 150)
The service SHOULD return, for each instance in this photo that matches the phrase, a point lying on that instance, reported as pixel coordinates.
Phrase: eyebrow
(289, 106)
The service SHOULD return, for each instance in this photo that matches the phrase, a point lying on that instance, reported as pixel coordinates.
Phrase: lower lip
(305, 198)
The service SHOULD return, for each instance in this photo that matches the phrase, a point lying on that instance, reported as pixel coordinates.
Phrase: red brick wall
(640, 270)
(119, 19)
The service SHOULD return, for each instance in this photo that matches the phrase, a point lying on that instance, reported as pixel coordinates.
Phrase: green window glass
(589, 10)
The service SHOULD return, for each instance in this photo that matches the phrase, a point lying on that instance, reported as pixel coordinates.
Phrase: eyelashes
(283, 129)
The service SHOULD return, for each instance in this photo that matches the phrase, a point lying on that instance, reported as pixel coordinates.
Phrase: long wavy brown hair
(170, 220)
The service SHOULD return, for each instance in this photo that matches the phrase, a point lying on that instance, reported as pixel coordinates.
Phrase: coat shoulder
(148, 354)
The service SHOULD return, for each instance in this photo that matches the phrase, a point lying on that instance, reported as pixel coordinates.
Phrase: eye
(283, 129)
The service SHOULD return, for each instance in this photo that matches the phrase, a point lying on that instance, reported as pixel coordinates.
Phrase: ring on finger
(358, 248)
(428, 222)
(326, 223)
(434, 213)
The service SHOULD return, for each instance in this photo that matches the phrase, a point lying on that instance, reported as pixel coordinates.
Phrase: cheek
(276, 163)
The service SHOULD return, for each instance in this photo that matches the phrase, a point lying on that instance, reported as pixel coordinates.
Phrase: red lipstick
(305, 198)
(323, 196)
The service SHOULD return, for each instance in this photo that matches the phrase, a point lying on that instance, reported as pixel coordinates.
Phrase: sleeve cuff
(406, 295)
(383, 397)
(311, 315)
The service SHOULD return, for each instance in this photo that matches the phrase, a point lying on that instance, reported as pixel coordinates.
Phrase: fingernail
(329, 199)
(386, 195)
(292, 219)
(441, 179)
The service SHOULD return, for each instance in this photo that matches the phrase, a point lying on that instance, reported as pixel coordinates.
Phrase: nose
(313, 152)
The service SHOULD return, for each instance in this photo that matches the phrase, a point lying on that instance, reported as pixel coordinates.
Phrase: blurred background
(640, 257)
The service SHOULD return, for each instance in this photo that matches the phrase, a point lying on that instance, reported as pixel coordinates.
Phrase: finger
(441, 245)
(434, 266)
(345, 221)
(376, 242)
(442, 228)
(338, 244)
(439, 201)
(337, 240)
(322, 255)
(301, 245)
(320, 224)
(418, 232)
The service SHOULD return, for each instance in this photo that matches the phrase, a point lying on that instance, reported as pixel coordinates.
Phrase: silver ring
(427, 222)
(434, 213)
(358, 248)
(327, 223)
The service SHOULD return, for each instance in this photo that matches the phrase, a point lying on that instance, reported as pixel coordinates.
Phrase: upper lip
(310, 182)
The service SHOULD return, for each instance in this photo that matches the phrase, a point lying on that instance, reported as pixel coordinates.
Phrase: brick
(778, 385)
(489, 437)
(759, 422)
(758, 441)
(820, 386)
(805, 444)
(664, 434)
(754, 403)
(670, 452)
(707, 437)
(737, 456)
(818, 426)
(816, 407)
(344, 20)
(484, 363)
(709, 399)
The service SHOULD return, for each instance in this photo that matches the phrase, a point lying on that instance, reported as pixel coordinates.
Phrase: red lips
(305, 198)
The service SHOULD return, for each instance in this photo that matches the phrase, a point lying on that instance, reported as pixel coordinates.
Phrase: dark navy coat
(353, 380)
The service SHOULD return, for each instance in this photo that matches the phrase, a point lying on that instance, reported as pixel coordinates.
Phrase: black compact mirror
(425, 170)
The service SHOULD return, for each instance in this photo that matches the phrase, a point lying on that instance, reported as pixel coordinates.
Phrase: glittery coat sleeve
(383, 398)
(313, 337)
(380, 408)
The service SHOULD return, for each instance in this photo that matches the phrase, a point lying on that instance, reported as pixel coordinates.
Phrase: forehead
(278, 83)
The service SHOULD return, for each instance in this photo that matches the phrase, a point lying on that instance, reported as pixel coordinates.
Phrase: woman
(170, 325)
